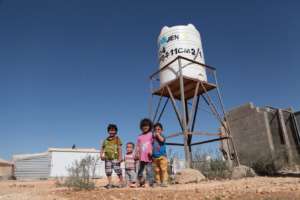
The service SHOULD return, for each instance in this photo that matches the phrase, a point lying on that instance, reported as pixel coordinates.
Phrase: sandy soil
(250, 188)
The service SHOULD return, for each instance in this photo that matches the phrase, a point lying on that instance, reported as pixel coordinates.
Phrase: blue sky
(68, 68)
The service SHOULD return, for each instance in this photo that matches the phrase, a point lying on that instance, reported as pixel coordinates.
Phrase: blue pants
(149, 171)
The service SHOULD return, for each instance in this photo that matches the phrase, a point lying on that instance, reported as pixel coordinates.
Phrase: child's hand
(102, 156)
(150, 155)
(156, 134)
(120, 159)
(136, 156)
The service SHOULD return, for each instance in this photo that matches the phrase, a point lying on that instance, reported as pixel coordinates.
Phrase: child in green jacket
(111, 153)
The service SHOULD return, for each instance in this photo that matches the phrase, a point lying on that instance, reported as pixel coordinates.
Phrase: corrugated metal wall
(33, 167)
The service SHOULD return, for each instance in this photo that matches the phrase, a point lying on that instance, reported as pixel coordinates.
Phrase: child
(130, 169)
(111, 152)
(144, 152)
(159, 155)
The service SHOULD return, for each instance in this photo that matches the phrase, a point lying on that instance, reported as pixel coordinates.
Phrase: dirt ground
(249, 188)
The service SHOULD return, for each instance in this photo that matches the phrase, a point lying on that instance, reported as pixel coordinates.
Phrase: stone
(189, 176)
(242, 171)
(197, 190)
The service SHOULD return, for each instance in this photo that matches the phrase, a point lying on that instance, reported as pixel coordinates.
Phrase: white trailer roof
(81, 150)
(29, 156)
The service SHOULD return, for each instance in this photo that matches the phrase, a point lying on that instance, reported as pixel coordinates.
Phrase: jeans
(130, 176)
(149, 171)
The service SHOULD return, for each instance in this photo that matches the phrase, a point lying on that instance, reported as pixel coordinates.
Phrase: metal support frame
(208, 141)
(175, 107)
(187, 117)
(184, 119)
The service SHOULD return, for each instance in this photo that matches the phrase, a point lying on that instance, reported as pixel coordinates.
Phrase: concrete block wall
(292, 135)
(277, 136)
(250, 132)
(258, 134)
(297, 114)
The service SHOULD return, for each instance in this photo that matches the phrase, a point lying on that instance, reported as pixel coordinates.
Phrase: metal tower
(187, 92)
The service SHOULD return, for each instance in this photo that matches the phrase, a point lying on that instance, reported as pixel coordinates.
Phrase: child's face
(112, 132)
(157, 129)
(145, 128)
(129, 148)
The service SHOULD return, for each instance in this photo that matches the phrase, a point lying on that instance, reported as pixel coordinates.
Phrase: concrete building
(264, 134)
(54, 163)
(297, 115)
(6, 169)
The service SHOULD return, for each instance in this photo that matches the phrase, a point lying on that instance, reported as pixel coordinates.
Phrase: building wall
(263, 134)
(6, 171)
(297, 117)
(297, 114)
(250, 132)
(292, 135)
(61, 161)
(54, 164)
(277, 136)
(32, 167)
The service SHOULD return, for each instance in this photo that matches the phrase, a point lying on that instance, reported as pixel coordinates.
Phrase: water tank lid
(178, 27)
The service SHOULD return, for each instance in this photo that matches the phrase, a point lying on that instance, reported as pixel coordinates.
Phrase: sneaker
(142, 182)
(154, 185)
(121, 185)
(108, 186)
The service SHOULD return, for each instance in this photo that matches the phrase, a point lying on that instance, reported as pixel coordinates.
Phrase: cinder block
(240, 112)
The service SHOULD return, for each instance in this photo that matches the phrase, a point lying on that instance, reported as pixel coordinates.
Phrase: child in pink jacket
(144, 152)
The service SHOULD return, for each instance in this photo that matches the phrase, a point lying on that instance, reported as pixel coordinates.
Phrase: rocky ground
(249, 188)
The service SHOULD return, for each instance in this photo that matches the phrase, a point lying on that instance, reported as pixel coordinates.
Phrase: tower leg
(189, 136)
(188, 159)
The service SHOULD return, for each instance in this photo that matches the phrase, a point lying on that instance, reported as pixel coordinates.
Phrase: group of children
(149, 154)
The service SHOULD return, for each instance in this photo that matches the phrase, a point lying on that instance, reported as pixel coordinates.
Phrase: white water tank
(183, 40)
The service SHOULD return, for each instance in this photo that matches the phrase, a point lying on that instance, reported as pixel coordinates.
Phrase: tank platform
(190, 85)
